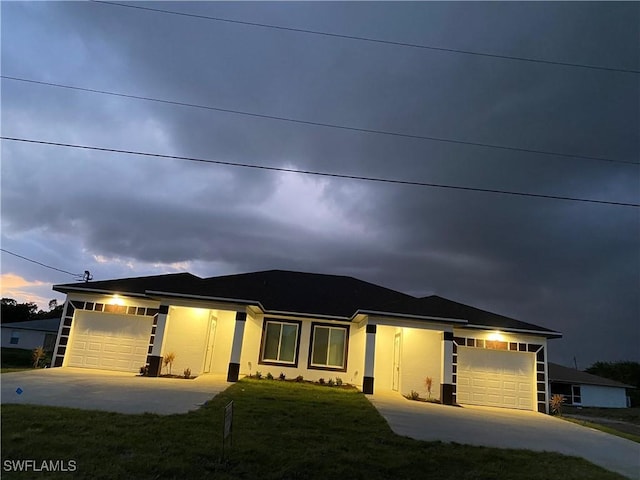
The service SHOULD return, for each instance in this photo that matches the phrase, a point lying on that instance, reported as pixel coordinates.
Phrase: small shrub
(428, 383)
(331, 383)
(556, 404)
(413, 395)
(187, 373)
(269, 376)
(258, 375)
(321, 381)
(168, 360)
(338, 381)
(299, 378)
(144, 370)
(282, 376)
(37, 355)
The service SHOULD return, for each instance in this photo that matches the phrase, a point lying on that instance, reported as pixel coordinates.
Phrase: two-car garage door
(495, 378)
(108, 341)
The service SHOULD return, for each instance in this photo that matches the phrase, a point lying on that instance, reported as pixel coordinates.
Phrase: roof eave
(71, 288)
(407, 315)
(544, 333)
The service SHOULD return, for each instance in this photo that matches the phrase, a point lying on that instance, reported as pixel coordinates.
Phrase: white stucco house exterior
(582, 389)
(31, 334)
(314, 325)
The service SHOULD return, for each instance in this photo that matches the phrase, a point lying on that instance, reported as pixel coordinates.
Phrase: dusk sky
(571, 266)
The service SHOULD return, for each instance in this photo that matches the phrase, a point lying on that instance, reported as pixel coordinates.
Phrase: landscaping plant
(168, 360)
(428, 383)
(556, 404)
(37, 355)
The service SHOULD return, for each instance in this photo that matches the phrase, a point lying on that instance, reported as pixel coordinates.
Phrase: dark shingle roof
(307, 293)
(560, 374)
(297, 292)
(442, 307)
(138, 285)
(46, 325)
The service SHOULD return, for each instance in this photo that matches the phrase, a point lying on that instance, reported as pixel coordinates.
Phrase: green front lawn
(281, 430)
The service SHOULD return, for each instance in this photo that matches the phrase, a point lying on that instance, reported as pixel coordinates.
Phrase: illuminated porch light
(117, 300)
(495, 336)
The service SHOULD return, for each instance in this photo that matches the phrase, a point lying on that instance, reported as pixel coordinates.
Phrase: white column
(161, 327)
(236, 347)
(446, 368)
(369, 359)
(155, 357)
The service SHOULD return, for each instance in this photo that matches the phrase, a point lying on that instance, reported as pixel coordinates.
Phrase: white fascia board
(94, 290)
(308, 315)
(155, 293)
(415, 317)
(547, 333)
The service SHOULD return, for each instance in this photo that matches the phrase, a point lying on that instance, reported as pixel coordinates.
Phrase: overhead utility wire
(371, 40)
(322, 124)
(320, 174)
(41, 264)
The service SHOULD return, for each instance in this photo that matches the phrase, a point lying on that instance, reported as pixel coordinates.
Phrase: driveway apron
(505, 428)
(109, 391)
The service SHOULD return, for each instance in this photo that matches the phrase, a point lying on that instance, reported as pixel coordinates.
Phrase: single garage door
(495, 378)
(109, 342)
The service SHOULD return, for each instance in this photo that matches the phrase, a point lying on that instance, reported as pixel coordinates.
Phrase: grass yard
(15, 358)
(631, 415)
(623, 422)
(282, 430)
(13, 369)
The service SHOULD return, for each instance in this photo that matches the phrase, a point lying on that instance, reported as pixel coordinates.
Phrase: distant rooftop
(560, 374)
(47, 325)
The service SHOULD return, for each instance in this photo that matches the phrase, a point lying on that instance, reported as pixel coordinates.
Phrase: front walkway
(109, 391)
(505, 428)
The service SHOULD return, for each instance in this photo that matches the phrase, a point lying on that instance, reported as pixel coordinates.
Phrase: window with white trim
(329, 347)
(576, 395)
(15, 337)
(280, 342)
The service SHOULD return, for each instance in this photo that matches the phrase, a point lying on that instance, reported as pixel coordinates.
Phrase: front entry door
(211, 335)
(396, 362)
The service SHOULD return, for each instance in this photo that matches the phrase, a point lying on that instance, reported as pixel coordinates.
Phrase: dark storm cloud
(568, 266)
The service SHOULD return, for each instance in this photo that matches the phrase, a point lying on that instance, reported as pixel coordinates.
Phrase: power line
(41, 264)
(322, 174)
(322, 124)
(372, 40)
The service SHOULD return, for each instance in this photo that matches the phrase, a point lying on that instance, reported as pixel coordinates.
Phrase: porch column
(369, 359)
(446, 372)
(236, 348)
(160, 327)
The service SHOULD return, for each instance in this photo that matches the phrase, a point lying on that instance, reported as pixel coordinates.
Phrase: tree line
(12, 311)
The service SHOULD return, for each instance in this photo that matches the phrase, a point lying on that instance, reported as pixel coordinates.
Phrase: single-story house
(314, 325)
(583, 389)
(31, 334)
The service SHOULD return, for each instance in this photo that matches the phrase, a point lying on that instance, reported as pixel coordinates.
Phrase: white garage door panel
(495, 378)
(110, 342)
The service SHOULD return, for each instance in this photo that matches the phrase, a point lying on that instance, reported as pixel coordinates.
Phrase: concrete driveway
(109, 391)
(504, 428)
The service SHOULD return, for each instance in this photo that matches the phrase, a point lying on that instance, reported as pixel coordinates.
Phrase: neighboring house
(317, 326)
(31, 334)
(583, 389)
